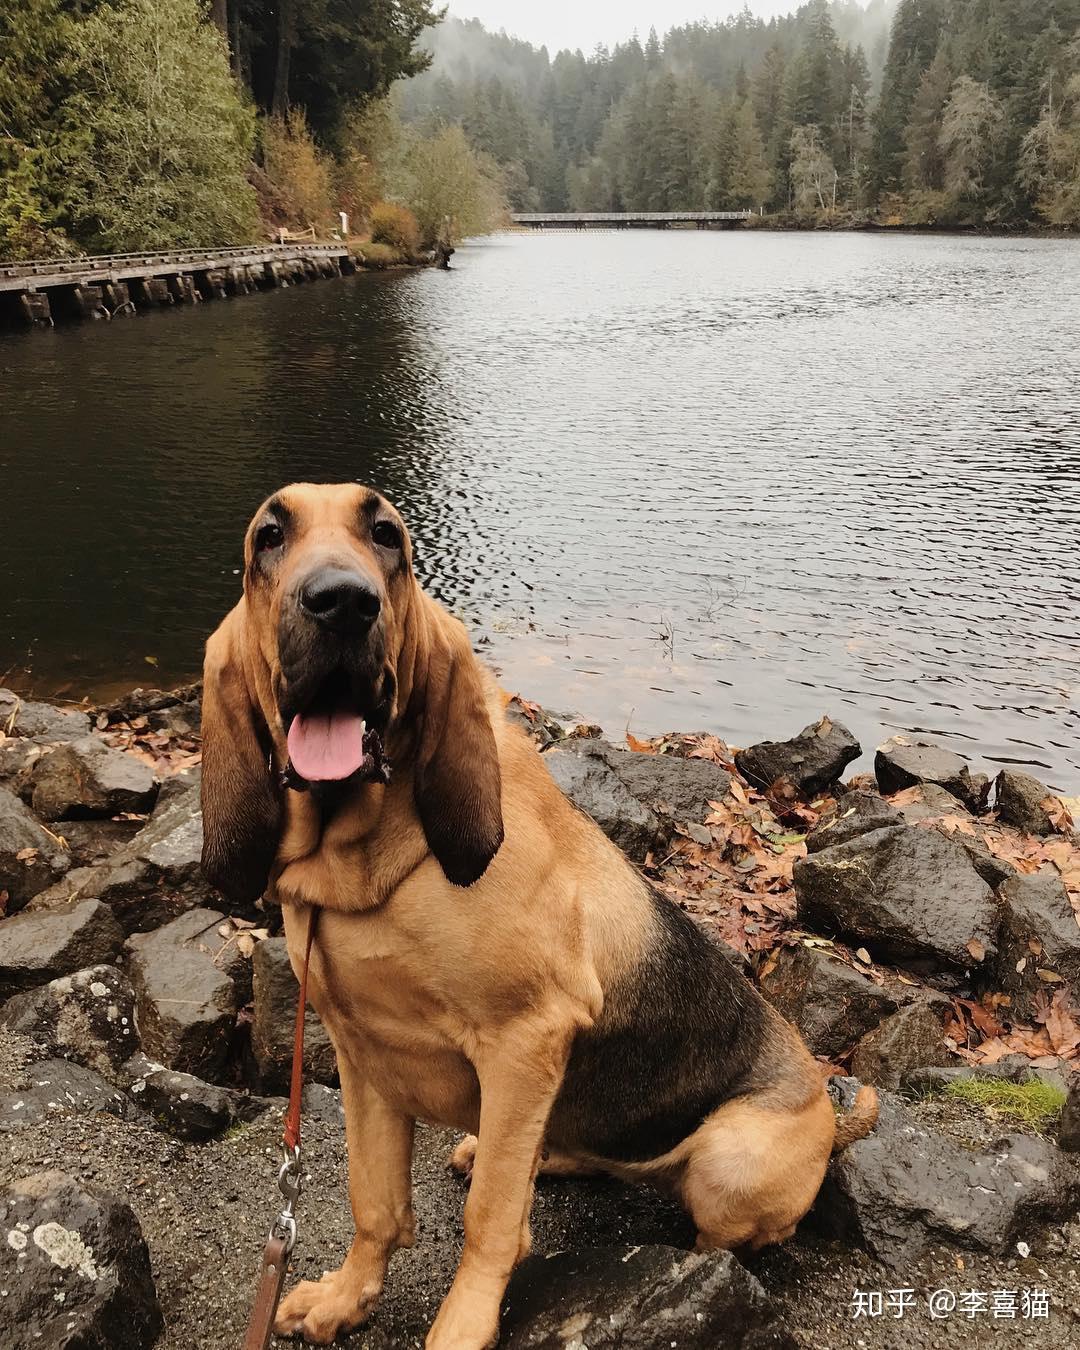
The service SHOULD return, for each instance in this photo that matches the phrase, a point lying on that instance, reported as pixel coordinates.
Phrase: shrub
(395, 225)
(166, 135)
(378, 256)
(368, 143)
(453, 190)
(296, 183)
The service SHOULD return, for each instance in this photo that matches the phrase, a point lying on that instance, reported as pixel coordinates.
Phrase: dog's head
(333, 648)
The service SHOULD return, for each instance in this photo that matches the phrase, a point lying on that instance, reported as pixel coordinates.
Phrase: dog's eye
(269, 537)
(386, 533)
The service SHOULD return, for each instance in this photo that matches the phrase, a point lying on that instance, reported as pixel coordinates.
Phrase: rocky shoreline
(920, 926)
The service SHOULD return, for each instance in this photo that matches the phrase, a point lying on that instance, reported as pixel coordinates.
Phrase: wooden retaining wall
(41, 291)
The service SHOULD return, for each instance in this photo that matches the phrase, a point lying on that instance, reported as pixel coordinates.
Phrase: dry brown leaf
(1050, 977)
(643, 747)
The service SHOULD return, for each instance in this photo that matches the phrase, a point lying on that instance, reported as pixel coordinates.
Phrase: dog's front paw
(321, 1311)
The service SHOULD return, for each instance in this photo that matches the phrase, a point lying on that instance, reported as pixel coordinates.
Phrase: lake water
(673, 480)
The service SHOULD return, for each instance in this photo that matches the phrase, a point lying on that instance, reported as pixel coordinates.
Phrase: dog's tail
(859, 1121)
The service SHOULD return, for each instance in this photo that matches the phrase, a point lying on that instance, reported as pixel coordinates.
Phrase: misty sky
(584, 23)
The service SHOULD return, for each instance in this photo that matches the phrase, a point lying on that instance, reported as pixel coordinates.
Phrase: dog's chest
(368, 985)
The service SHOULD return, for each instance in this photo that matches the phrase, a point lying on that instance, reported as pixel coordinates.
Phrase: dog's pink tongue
(326, 747)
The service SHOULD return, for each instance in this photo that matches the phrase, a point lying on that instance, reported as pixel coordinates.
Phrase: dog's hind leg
(753, 1171)
(380, 1142)
(553, 1163)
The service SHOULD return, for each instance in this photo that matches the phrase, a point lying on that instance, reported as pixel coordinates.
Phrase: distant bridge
(630, 220)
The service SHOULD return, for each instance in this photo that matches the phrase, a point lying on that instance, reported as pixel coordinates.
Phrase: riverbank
(147, 1039)
(38, 293)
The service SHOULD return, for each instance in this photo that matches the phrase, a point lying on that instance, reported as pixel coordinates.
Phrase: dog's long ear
(457, 783)
(241, 799)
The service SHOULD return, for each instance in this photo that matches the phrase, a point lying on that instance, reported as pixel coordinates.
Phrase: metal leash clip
(289, 1186)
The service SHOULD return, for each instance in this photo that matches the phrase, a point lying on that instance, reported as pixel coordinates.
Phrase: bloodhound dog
(486, 959)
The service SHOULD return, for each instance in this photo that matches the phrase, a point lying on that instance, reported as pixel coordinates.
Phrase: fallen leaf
(976, 948)
(643, 747)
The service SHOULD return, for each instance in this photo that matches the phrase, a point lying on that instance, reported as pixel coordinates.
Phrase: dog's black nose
(341, 601)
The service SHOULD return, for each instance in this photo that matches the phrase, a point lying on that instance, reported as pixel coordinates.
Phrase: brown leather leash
(275, 1257)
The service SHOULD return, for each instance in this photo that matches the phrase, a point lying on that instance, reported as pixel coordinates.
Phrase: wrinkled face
(328, 571)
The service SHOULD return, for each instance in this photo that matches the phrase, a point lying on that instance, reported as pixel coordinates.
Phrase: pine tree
(854, 122)
(662, 172)
(722, 157)
(768, 90)
(913, 45)
(749, 181)
(687, 146)
(924, 161)
(815, 94)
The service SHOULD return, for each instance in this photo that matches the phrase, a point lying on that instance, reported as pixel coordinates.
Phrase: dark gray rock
(88, 1017)
(320, 1102)
(581, 770)
(909, 1039)
(902, 764)
(17, 759)
(632, 795)
(75, 1269)
(276, 991)
(1020, 801)
(905, 893)
(84, 779)
(855, 813)
(831, 1004)
(153, 878)
(536, 722)
(186, 999)
(177, 785)
(146, 702)
(814, 760)
(905, 1188)
(638, 1298)
(72, 886)
(91, 842)
(185, 1106)
(994, 871)
(59, 1087)
(37, 947)
(1069, 1133)
(1038, 941)
(932, 804)
(30, 860)
(41, 721)
(930, 801)
(671, 785)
